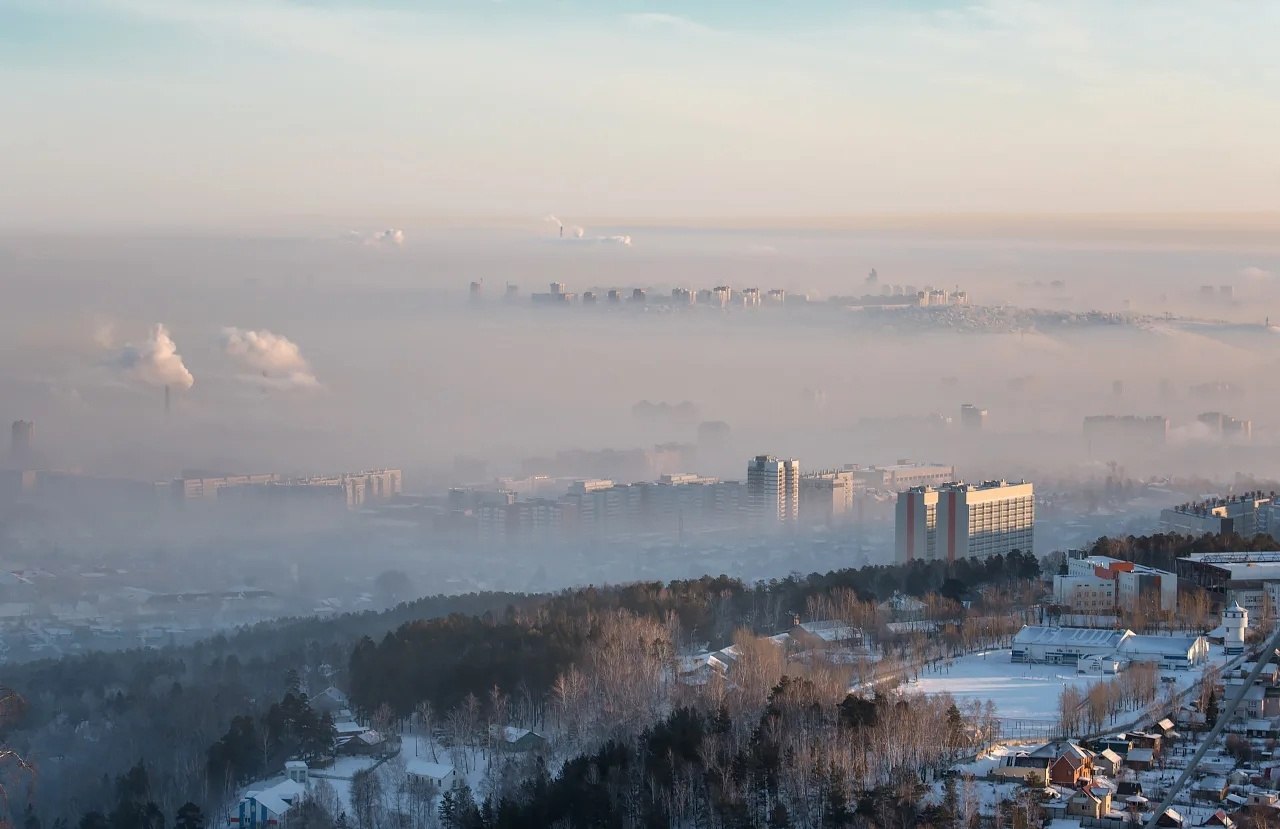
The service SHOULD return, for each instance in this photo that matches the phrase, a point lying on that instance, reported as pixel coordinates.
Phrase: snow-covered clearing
(1016, 689)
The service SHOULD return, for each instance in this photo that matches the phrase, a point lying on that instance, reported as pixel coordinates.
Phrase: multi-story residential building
(959, 520)
(1085, 594)
(915, 535)
(903, 475)
(1247, 515)
(972, 418)
(1227, 427)
(1106, 431)
(773, 490)
(826, 497)
(21, 437)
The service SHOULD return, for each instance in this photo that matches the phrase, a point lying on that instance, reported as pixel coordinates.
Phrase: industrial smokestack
(166, 401)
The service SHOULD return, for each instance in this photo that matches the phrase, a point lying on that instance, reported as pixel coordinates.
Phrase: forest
(88, 720)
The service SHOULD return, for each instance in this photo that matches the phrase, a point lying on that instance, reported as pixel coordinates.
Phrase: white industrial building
(1088, 647)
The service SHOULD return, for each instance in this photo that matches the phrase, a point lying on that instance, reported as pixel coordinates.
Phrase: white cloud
(274, 359)
(1255, 273)
(667, 21)
(155, 362)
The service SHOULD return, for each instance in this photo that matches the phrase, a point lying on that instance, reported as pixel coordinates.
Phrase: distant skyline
(241, 113)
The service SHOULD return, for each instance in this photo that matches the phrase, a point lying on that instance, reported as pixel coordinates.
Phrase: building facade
(773, 490)
(826, 497)
(972, 418)
(1251, 579)
(959, 520)
(902, 476)
(1246, 515)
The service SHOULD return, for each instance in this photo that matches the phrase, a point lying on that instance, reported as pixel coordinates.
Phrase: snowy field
(1017, 690)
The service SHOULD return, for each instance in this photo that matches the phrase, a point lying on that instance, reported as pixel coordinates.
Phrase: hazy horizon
(129, 113)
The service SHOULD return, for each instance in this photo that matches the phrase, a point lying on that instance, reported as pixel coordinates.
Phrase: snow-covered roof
(422, 768)
(1137, 643)
(829, 630)
(349, 727)
(1140, 755)
(511, 734)
(1078, 637)
(279, 797)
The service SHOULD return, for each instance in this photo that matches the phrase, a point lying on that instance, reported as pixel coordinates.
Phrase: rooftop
(1078, 637)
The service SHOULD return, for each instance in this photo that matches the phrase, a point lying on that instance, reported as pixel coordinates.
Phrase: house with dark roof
(1069, 763)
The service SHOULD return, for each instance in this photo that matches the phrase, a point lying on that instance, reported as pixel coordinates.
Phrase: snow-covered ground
(1016, 689)
(1019, 690)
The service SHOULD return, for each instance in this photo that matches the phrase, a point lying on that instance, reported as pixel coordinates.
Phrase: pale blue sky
(211, 113)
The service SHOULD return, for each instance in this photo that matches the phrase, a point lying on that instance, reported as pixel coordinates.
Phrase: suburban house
(439, 775)
(1091, 802)
(510, 738)
(266, 807)
(1069, 764)
(830, 633)
(1145, 739)
(1140, 759)
(1022, 767)
(1211, 787)
(1219, 818)
(330, 701)
(1107, 762)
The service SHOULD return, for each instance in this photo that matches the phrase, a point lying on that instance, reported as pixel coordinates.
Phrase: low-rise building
(1065, 645)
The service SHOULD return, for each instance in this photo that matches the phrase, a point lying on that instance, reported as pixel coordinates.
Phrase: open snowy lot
(1016, 689)
(1019, 690)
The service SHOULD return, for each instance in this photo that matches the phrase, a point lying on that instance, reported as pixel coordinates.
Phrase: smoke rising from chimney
(271, 357)
(155, 361)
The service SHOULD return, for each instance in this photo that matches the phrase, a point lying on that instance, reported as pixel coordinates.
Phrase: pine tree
(189, 816)
(1211, 709)
(448, 810)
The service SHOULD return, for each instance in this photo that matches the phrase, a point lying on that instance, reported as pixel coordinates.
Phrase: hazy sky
(208, 112)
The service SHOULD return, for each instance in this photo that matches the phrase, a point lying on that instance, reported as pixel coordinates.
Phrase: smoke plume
(156, 361)
(577, 233)
(391, 237)
(271, 357)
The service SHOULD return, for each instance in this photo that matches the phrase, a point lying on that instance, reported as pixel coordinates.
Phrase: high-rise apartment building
(20, 439)
(826, 497)
(959, 520)
(773, 489)
(972, 418)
